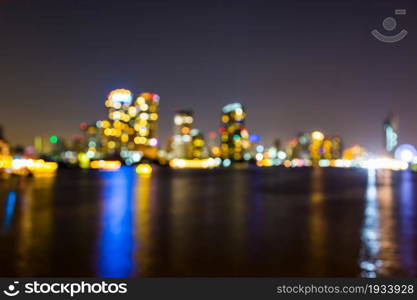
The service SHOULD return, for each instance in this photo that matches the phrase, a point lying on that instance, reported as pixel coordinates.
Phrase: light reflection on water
(408, 224)
(36, 226)
(116, 248)
(317, 222)
(369, 260)
(8, 212)
(389, 229)
(143, 234)
(388, 225)
(249, 222)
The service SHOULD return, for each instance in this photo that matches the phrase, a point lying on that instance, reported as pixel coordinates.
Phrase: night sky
(295, 65)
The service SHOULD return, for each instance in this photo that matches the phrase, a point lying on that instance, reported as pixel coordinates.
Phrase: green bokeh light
(53, 139)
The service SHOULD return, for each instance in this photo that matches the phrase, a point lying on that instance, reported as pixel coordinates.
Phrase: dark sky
(295, 65)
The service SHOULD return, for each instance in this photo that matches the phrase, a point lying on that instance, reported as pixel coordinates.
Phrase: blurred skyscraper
(234, 139)
(391, 127)
(145, 122)
(182, 141)
(315, 146)
(130, 132)
(119, 135)
(198, 144)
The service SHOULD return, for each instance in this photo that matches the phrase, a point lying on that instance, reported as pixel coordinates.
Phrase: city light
(53, 139)
(109, 165)
(193, 163)
(6, 161)
(42, 168)
(261, 141)
(24, 167)
(265, 163)
(83, 160)
(122, 96)
(317, 135)
(129, 137)
(384, 163)
(232, 107)
(405, 153)
(144, 169)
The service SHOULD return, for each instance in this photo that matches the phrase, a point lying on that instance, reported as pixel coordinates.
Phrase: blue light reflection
(116, 258)
(8, 215)
(408, 226)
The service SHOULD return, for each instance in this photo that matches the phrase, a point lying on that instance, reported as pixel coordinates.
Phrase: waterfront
(221, 222)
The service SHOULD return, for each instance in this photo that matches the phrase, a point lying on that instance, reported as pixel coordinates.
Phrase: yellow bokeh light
(154, 116)
(317, 135)
(144, 170)
(124, 138)
(105, 164)
(111, 144)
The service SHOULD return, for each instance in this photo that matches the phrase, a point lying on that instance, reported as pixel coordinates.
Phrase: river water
(252, 221)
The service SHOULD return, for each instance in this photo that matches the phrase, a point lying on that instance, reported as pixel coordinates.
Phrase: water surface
(222, 222)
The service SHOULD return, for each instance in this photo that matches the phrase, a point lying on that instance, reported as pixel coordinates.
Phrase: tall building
(129, 133)
(316, 146)
(391, 127)
(234, 138)
(119, 134)
(144, 121)
(199, 149)
(182, 146)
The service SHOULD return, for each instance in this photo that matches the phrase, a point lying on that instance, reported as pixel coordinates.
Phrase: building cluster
(21, 165)
(129, 135)
(130, 131)
(315, 146)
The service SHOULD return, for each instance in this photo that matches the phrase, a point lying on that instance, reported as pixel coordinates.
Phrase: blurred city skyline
(295, 66)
